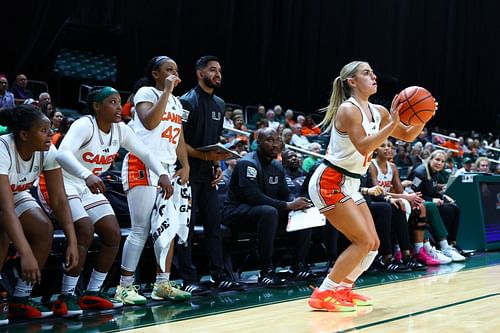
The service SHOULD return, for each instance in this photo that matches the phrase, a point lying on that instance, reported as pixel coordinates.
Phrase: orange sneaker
(355, 298)
(330, 300)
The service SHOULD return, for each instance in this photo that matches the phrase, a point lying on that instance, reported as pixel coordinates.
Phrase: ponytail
(341, 91)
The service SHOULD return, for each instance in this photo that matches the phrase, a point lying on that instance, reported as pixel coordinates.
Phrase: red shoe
(355, 298)
(330, 300)
(426, 259)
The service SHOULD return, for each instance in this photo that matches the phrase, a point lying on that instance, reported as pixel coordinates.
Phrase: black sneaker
(302, 272)
(270, 279)
(196, 289)
(413, 264)
(224, 283)
(393, 266)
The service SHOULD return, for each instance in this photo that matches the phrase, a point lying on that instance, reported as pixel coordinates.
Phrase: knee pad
(418, 223)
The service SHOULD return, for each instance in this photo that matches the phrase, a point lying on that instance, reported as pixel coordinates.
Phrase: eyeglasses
(2, 82)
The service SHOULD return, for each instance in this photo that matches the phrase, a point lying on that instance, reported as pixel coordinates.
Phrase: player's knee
(137, 238)
(84, 232)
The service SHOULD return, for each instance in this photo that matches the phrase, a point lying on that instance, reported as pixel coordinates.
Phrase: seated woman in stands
(26, 153)
(442, 211)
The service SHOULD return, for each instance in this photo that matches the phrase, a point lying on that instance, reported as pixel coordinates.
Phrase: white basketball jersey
(383, 179)
(22, 174)
(341, 151)
(164, 138)
(98, 153)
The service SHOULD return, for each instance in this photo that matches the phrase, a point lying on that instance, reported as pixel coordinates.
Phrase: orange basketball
(418, 106)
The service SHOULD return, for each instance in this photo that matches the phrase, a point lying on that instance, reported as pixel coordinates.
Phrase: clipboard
(304, 219)
(219, 147)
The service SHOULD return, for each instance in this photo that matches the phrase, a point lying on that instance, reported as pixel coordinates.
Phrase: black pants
(382, 215)
(400, 228)
(243, 217)
(204, 211)
(450, 214)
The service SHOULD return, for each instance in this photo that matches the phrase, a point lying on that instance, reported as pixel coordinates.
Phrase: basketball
(418, 106)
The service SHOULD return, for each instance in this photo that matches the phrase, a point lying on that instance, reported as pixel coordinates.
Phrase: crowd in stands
(416, 221)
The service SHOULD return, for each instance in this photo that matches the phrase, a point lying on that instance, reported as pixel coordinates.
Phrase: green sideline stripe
(418, 313)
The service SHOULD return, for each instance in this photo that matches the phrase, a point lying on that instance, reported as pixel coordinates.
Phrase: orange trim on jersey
(43, 188)
(330, 187)
(137, 172)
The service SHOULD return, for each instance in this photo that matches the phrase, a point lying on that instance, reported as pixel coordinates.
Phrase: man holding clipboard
(203, 128)
(259, 197)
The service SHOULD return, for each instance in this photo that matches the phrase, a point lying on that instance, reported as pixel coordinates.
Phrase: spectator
(48, 108)
(20, 89)
(228, 121)
(298, 139)
(309, 127)
(55, 117)
(204, 127)
(467, 164)
(278, 114)
(44, 98)
(271, 122)
(7, 98)
(286, 137)
(258, 195)
(402, 157)
(311, 159)
(238, 121)
(294, 175)
(455, 145)
(289, 122)
(261, 114)
(482, 165)
(424, 179)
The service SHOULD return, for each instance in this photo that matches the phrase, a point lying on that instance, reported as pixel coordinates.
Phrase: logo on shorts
(251, 172)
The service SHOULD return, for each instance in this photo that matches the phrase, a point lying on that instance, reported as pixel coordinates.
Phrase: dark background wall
(272, 51)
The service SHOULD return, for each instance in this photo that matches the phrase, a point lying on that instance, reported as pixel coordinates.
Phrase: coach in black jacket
(258, 194)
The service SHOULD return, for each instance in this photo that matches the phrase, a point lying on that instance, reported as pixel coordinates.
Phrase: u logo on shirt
(216, 115)
(273, 180)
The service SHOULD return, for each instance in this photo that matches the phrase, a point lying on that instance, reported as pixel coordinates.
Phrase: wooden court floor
(448, 298)
(467, 301)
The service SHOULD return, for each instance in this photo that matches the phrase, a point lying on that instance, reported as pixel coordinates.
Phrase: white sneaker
(169, 289)
(452, 253)
(438, 255)
(129, 295)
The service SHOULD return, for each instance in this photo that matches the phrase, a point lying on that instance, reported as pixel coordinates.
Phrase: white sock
(328, 284)
(443, 244)
(69, 284)
(418, 246)
(162, 277)
(396, 248)
(22, 289)
(427, 246)
(345, 285)
(126, 281)
(96, 280)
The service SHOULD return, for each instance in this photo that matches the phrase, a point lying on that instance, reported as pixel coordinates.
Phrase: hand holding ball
(418, 106)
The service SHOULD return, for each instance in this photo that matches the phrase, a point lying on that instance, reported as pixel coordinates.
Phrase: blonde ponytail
(340, 93)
